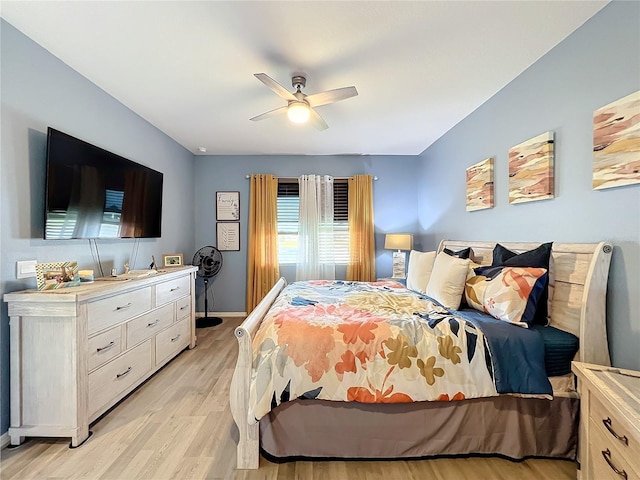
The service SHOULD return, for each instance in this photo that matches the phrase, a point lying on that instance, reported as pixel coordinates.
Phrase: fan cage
(209, 261)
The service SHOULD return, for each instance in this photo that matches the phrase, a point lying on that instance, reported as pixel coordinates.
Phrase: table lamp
(399, 242)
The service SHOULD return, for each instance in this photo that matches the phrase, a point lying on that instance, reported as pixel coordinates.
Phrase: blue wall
(596, 65)
(425, 195)
(38, 91)
(394, 203)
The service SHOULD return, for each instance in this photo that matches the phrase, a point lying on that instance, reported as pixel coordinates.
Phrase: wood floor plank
(169, 444)
(178, 426)
(207, 438)
(218, 398)
(46, 461)
(193, 468)
(11, 469)
(133, 467)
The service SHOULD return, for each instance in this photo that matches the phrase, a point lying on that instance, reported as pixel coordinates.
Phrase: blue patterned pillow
(539, 257)
(510, 294)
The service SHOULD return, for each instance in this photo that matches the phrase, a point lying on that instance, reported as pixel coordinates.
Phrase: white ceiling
(187, 66)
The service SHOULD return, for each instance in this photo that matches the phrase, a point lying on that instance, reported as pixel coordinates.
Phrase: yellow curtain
(362, 261)
(263, 270)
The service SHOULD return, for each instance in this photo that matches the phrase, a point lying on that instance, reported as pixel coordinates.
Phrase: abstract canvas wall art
(616, 143)
(531, 169)
(480, 185)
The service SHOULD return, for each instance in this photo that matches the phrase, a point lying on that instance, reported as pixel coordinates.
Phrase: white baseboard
(222, 314)
(4, 440)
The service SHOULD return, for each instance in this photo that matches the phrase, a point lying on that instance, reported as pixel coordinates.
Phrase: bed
(511, 425)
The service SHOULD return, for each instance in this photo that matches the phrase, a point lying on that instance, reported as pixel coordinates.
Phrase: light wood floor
(178, 426)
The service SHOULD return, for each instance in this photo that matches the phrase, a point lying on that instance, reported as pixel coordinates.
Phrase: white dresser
(609, 443)
(76, 352)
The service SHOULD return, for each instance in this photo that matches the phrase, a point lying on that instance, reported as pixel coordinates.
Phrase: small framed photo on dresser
(172, 260)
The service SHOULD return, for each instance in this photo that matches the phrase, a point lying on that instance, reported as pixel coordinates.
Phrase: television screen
(92, 193)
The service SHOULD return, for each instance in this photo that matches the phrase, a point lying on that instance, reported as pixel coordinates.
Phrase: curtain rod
(296, 178)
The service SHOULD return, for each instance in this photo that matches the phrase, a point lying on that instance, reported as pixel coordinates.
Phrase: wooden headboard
(581, 271)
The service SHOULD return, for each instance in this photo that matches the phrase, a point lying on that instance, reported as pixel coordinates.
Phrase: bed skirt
(507, 426)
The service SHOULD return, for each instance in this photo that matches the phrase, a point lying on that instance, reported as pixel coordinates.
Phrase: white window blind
(61, 224)
(288, 205)
(110, 226)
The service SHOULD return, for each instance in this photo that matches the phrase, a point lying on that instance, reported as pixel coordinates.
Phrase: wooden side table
(609, 441)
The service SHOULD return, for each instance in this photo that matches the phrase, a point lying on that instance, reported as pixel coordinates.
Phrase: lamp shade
(398, 241)
(298, 112)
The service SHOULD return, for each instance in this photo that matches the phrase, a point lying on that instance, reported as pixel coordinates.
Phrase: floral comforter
(365, 342)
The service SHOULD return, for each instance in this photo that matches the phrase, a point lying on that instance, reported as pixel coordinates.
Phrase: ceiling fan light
(298, 112)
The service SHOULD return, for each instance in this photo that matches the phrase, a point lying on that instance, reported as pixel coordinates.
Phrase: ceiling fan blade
(316, 120)
(331, 96)
(275, 86)
(269, 114)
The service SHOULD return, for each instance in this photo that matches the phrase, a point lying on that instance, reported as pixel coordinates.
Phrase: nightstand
(609, 442)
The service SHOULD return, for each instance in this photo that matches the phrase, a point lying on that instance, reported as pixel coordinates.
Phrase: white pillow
(471, 272)
(420, 266)
(448, 277)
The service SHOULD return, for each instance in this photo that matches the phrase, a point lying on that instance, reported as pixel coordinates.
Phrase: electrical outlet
(26, 269)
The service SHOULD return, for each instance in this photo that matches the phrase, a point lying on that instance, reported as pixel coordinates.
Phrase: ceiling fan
(300, 107)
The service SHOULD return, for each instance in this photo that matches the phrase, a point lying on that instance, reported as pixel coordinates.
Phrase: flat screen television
(93, 193)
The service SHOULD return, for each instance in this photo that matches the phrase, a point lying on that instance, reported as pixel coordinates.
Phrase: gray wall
(38, 91)
(394, 201)
(596, 65)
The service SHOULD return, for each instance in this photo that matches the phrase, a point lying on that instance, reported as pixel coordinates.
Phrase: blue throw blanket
(517, 353)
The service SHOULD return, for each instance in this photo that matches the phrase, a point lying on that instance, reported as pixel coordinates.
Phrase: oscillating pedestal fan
(209, 262)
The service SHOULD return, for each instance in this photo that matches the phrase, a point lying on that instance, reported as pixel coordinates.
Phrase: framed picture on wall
(616, 143)
(480, 185)
(227, 206)
(531, 169)
(228, 235)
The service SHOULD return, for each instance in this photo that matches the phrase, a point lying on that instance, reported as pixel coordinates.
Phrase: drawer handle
(126, 372)
(106, 347)
(153, 324)
(174, 289)
(124, 306)
(186, 306)
(174, 339)
(607, 457)
(622, 438)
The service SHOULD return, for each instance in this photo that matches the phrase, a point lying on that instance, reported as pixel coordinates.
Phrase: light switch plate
(26, 269)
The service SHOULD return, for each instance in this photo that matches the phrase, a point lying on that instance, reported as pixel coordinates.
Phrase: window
(288, 208)
(110, 225)
(62, 224)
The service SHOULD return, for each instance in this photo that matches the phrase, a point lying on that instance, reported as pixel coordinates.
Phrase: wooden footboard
(248, 451)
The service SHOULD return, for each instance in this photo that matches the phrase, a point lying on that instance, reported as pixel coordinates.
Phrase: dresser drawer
(114, 310)
(172, 340)
(605, 454)
(599, 415)
(110, 380)
(103, 347)
(183, 308)
(149, 324)
(172, 290)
